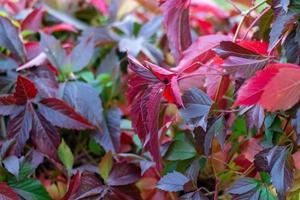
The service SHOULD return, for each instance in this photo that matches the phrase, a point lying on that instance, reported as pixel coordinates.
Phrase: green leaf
(105, 165)
(30, 189)
(65, 155)
(180, 150)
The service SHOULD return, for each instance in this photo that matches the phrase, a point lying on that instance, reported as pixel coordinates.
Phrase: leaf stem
(3, 128)
(245, 14)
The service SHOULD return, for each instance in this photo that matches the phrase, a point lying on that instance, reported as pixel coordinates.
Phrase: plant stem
(245, 14)
(3, 128)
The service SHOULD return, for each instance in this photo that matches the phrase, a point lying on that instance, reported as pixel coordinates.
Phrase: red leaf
(145, 113)
(199, 52)
(176, 18)
(123, 174)
(255, 46)
(283, 91)
(61, 114)
(100, 5)
(7, 193)
(25, 90)
(252, 91)
(60, 27)
(274, 88)
(33, 21)
(73, 186)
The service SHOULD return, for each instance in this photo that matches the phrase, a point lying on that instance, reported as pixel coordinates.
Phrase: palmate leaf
(123, 174)
(26, 119)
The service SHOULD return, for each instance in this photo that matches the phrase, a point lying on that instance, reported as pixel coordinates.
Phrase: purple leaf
(172, 182)
(276, 161)
(61, 114)
(84, 99)
(279, 26)
(198, 195)
(12, 164)
(109, 136)
(44, 136)
(82, 53)
(217, 130)
(9, 38)
(196, 108)
(123, 174)
(19, 127)
(52, 48)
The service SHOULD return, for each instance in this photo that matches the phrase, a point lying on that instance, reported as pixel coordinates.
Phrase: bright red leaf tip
(255, 46)
(277, 87)
(25, 90)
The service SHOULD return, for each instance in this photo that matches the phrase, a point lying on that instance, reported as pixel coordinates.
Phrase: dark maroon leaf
(109, 136)
(19, 127)
(217, 130)
(33, 21)
(25, 90)
(7, 104)
(7, 193)
(44, 136)
(52, 48)
(196, 108)
(9, 38)
(176, 19)
(276, 161)
(123, 174)
(145, 113)
(73, 186)
(172, 182)
(126, 192)
(82, 53)
(61, 114)
(228, 48)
